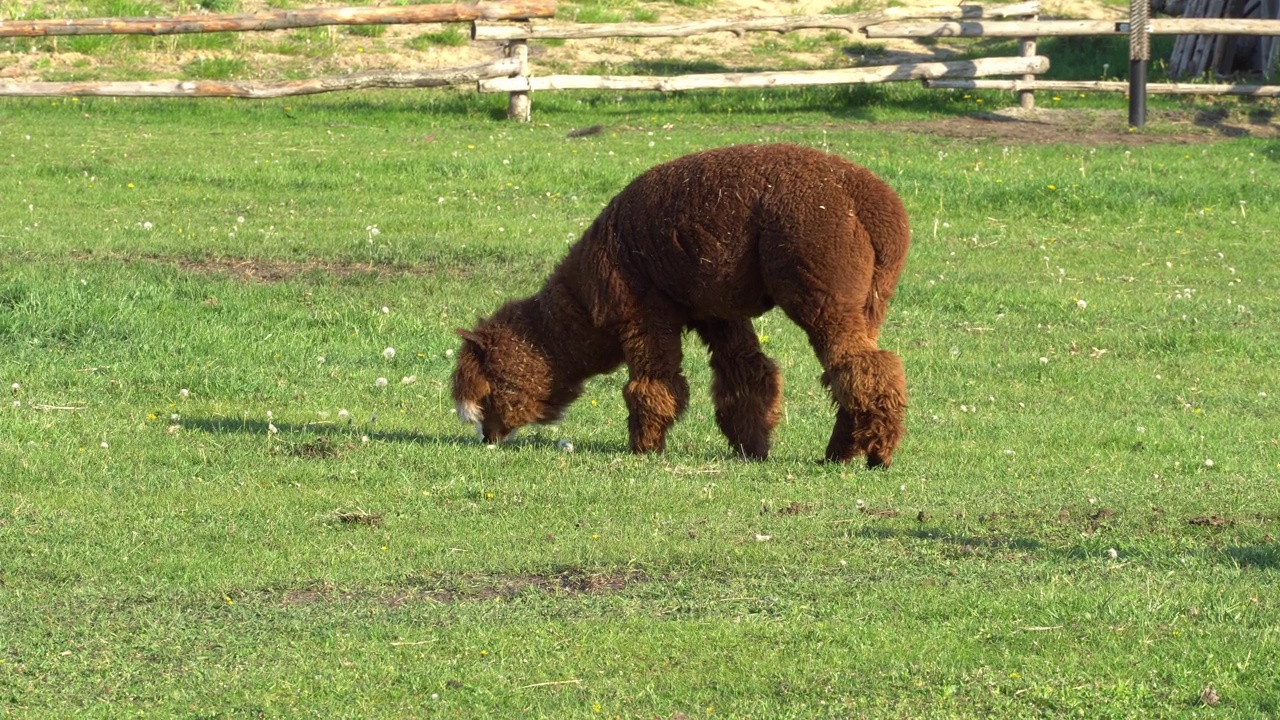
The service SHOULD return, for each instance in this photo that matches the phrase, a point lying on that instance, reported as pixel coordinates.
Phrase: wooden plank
(260, 91)
(978, 28)
(282, 19)
(1057, 28)
(1106, 86)
(849, 23)
(886, 73)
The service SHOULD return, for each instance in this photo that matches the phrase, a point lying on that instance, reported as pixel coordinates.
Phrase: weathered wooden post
(518, 103)
(1026, 49)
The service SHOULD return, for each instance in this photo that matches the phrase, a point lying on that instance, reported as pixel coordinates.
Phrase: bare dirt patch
(321, 447)
(1098, 127)
(357, 517)
(274, 271)
(566, 583)
(1212, 521)
(266, 270)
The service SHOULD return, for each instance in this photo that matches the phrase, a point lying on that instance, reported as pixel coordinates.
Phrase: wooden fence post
(518, 103)
(1027, 48)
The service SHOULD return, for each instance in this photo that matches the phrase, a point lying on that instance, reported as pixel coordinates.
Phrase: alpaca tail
(884, 217)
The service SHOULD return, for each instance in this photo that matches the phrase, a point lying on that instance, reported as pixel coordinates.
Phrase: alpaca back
(692, 228)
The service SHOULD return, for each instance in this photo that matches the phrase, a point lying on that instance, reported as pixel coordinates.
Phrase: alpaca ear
(470, 337)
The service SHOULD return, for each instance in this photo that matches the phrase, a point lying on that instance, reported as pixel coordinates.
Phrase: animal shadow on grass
(1265, 556)
(1257, 557)
(323, 439)
(962, 543)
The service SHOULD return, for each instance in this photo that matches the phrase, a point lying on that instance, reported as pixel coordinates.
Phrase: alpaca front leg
(653, 405)
(746, 387)
(870, 389)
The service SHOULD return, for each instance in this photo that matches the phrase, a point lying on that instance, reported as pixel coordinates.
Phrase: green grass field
(209, 508)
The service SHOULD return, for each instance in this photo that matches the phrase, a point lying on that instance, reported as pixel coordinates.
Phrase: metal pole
(1139, 54)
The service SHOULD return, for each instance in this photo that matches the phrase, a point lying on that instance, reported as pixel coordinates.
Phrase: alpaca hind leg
(746, 387)
(657, 393)
(828, 279)
(870, 389)
(868, 385)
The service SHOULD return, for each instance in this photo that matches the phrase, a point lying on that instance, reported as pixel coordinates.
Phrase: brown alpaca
(709, 241)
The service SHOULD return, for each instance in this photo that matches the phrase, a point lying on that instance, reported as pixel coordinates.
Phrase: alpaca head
(502, 382)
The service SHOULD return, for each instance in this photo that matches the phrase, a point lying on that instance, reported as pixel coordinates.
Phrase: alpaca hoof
(835, 457)
(875, 460)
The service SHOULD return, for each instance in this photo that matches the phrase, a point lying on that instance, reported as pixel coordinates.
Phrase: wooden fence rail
(266, 90)
(1061, 28)
(852, 23)
(844, 76)
(1119, 86)
(282, 19)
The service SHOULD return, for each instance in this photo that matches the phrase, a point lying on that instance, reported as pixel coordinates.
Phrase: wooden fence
(509, 22)
(1019, 21)
(502, 10)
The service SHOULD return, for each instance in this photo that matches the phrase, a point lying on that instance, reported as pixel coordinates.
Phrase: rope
(1139, 30)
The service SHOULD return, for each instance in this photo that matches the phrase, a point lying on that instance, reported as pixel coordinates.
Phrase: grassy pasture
(1082, 520)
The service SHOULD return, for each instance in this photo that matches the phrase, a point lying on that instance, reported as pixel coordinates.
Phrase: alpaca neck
(560, 327)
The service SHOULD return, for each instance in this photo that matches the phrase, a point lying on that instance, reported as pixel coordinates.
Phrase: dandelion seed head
(1112, 553)
(1082, 304)
(1208, 462)
(272, 429)
(389, 353)
(448, 353)
(344, 415)
(174, 417)
(386, 310)
(1044, 360)
(408, 379)
(15, 387)
(565, 446)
